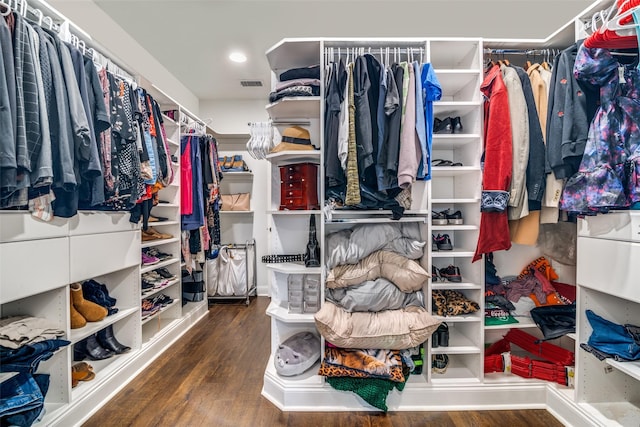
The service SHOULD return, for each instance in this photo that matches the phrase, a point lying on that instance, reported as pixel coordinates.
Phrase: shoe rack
(458, 67)
(169, 208)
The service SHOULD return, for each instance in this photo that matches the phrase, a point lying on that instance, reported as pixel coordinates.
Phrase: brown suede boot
(89, 310)
(77, 321)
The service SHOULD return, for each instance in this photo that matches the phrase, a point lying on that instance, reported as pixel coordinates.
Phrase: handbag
(235, 202)
(555, 320)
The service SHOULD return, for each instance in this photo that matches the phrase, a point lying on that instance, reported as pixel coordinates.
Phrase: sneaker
(444, 242)
(149, 260)
(439, 218)
(451, 273)
(454, 218)
(435, 275)
(439, 363)
(162, 300)
(148, 308)
(165, 273)
(156, 253)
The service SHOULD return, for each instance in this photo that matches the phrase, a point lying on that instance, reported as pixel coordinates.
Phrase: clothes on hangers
(391, 117)
(72, 137)
(607, 177)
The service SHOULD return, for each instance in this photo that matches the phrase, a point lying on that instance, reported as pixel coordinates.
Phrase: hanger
(7, 9)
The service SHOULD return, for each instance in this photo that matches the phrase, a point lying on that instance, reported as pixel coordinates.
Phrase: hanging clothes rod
(521, 51)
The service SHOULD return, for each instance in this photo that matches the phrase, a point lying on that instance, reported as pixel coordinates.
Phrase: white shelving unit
(609, 390)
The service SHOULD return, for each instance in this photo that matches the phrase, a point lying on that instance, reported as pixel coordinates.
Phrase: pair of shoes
(83, 311)
(440, 338)
(442, 242)
(108, 340)
(152, 230)
(439, 363)
(81, 372)
(444, 162)
(446, 217)
(154, 278)
(91, 348)
(157, 218)
(162, 300)
(439, 218)
(148, 308)
(99, 294)
(450, 273)
(149, 260)
(165, 273)
(448, 125)
(154, 252)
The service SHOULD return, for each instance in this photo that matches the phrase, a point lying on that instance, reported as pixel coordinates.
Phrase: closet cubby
(455, 54)
(462, 369)
(463, 339)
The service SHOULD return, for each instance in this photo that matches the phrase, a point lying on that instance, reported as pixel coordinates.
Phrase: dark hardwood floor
(213, 377)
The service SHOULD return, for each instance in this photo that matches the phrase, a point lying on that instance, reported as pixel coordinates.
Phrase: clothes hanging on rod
(378, 126)
(607, 175)
(75, 137)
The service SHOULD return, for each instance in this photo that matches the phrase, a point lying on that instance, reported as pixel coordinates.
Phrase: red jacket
(496, 176)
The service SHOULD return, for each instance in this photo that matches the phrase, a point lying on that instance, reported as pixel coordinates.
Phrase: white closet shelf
(508, 378)
(4, 376)
(167, 205)
(103, 369)
(281, 313)
(161, 264)
(161, 223)
(169, 121)
(630, 368)
(622, 413)
(455, 253)
(453, 227)
(293, 268)
(337, 213)
(572, 336)
(345, 221)
(455, 108)
(460, 83)
(237, 175)
(159, 312)
(455, 375)
(454, 140)
(440, 171)
(236, 212)
(159, 242)
(474, 317)
(294, 53)
(523, 323)
(454, 201)
(286, 157)
(458, 344)
(93, 327)
(299, 107)
(150, 292)
(152, 332)
(453, 285)
(300, 212)
(308, 378)
(172, 142)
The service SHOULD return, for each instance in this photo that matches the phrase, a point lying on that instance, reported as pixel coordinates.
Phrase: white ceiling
(192, 38)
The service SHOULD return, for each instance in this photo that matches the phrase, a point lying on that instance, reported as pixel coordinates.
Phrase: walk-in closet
(331, 219)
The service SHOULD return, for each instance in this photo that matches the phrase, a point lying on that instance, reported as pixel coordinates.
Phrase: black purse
(555, 320)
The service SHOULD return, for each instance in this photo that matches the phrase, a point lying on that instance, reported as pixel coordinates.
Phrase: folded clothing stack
(304, 81)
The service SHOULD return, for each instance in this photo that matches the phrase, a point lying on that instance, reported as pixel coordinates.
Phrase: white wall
(232, 115)
(124, 49)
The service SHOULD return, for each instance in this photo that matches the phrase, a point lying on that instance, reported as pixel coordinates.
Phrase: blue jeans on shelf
(28, 357)
(22, 399)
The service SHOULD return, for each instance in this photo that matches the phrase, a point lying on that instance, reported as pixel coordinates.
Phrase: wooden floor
(213, 377)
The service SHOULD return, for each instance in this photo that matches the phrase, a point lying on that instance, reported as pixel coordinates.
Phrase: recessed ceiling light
(238, 57)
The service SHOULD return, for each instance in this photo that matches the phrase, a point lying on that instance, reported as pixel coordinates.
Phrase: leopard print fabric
(370, 363)
(449, 302)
